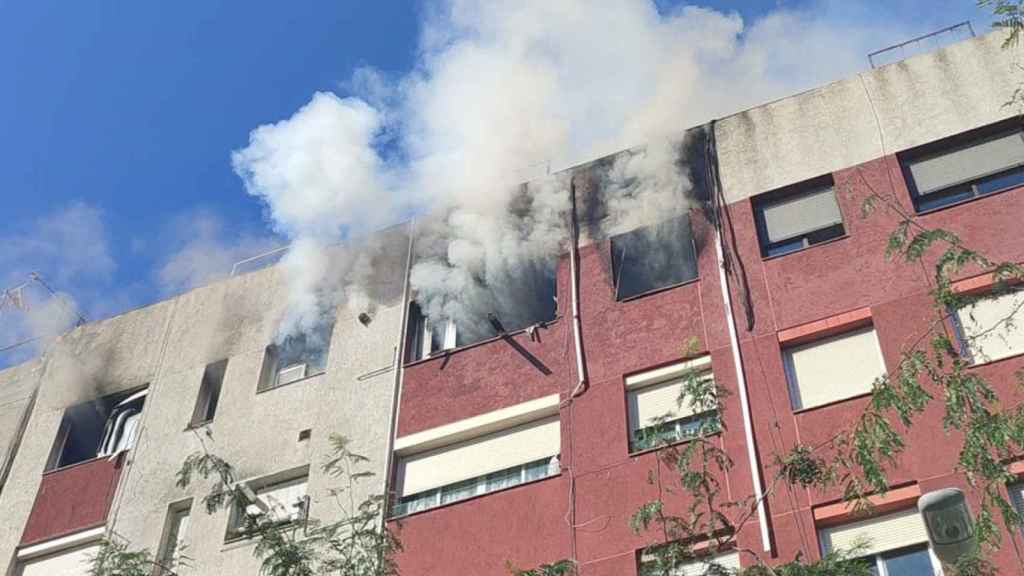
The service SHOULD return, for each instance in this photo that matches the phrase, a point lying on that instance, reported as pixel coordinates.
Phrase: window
(276, 503)
(992, 328)
(653, 257)
(297, 357)
(965, 167)
(209, 393)
(728, 561)
(99, 428)
(833, 368)
(895, 544)
(426, 337)
(477, 466)
(657, 411)
(1017, 496)
(173, 548)
(798, 217)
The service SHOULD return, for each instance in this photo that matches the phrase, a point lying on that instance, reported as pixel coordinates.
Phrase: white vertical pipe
(741, 382)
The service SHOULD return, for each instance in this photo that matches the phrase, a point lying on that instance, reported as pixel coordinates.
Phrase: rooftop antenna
(15, 299)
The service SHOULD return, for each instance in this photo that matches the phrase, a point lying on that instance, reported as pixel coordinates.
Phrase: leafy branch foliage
(354, 545)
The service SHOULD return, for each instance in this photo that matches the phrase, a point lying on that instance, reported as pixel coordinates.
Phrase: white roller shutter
(875, 535)
(479, 456)
(989, 338)
(967, 163)
(75, 562)
(648, 404)
(834, 368)
(730, 560)
(798, 215)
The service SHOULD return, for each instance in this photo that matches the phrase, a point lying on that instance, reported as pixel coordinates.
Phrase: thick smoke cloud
(507, 92)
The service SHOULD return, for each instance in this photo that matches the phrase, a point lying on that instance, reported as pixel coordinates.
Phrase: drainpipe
(574, 254)
(741, 379)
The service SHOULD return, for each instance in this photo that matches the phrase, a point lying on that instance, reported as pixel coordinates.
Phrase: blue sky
(118, 119)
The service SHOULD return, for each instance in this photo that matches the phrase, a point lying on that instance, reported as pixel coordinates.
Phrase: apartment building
(512, 451)
(529, 445)
(120, 404)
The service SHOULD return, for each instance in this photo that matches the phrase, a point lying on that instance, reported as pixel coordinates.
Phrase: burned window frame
(104, 407)
(272, 358)
(418, 326)
(809, 239)
(636, 235)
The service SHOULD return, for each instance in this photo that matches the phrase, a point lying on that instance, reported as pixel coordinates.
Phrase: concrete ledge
(841, 512)
(667, 372)
(825, 327)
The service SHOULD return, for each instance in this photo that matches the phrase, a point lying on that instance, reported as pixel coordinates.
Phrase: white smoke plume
(500, 92)
(69, 250)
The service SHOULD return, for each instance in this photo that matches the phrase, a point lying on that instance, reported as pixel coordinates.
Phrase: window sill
(965, 201)
(197, 425)
(680, 442)
(996, 360)
(471, 498)
(832, 403)
(279, 386)
(658, 290)
(805, 248)
(441, 354)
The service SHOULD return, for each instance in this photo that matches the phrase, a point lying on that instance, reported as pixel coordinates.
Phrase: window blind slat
(875, 535)
(976, 160)
(696, 568)
(839, 367)
(989, 337)
(72, 563)
(648, 404)
(479, 456)
(796, 216)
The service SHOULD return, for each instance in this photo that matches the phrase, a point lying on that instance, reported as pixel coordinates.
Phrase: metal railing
(921, 44)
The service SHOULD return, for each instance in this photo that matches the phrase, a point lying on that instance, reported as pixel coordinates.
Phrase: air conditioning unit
(291, 374)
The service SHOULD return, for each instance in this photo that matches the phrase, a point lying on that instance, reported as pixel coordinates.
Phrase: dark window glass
(909, 562)
(653, 257)
(296, 357)
(209, 393)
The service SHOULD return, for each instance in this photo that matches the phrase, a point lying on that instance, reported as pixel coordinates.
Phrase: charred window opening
(99, 428)
(426, 337)
(653, 257)
(209, 393)
(297, 357)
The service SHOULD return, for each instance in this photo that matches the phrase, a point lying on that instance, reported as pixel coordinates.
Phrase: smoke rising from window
(500, 92)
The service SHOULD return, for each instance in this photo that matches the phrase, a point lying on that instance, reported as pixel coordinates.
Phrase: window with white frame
(723, 563)
(992, 328)
(477, 466)
(270, 502)
(965, 166)
(296, 357)
(653, 257)
(833, 368)
(659, 410)
(174, 544)
(894, 544)
(798, 217)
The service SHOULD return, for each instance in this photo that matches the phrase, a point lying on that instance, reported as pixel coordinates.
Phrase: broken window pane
(296, 357)
(102, 427)
(653, 257)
